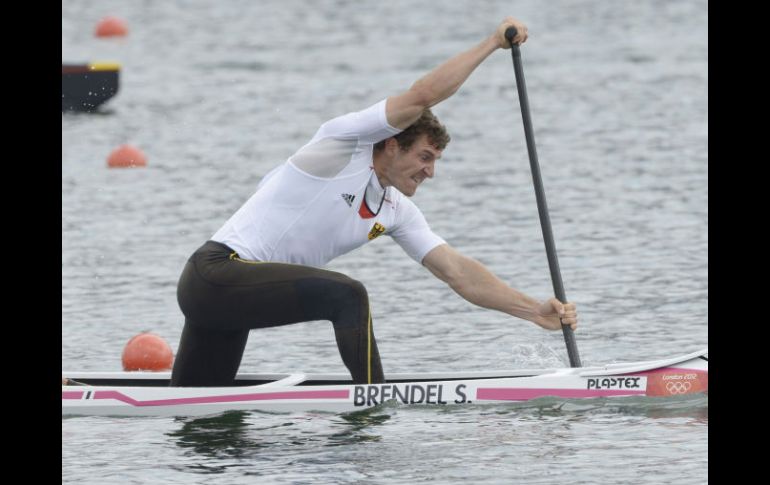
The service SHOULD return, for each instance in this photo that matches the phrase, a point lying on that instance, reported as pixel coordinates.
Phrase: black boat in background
(86, 86)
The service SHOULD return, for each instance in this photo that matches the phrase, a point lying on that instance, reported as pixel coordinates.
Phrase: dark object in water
(86, 86)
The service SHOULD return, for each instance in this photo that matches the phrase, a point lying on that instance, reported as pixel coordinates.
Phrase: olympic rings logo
(678, 387)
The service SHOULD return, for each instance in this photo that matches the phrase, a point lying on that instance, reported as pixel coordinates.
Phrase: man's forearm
(474, 282)
(478, 285)
(446, 79)
(443, 81)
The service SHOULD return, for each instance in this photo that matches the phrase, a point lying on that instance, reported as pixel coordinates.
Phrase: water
(217, 93)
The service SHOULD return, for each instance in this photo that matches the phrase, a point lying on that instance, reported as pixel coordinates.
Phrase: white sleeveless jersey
(313, 207)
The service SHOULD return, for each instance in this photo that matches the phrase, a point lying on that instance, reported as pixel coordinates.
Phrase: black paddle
(542, 207)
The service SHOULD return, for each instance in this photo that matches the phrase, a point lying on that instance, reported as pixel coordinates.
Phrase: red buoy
(147, 351)
(126, 156)
(111, 27)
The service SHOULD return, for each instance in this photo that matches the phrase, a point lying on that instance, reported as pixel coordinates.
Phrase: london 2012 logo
(678, 387)
(675, 382)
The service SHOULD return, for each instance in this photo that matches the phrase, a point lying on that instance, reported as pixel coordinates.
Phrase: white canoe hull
(147, 393)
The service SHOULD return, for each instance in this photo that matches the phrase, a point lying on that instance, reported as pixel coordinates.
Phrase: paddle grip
(510, 33)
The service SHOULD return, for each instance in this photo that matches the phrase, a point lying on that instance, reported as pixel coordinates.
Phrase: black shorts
(223, 297)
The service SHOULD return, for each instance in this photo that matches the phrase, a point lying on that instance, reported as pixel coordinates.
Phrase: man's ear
(391, 146)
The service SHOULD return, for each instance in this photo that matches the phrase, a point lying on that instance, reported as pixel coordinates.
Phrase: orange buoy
(126, 156)
(111, 27)
(147, 351)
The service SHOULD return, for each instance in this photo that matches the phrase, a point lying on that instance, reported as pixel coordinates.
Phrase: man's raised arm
(442, 82)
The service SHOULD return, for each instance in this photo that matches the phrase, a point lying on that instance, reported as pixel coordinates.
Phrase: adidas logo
(348, 198)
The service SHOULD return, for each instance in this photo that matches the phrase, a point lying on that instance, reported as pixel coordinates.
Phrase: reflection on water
(224, 435)
(694, 407)
(357, 427)
(243, 434)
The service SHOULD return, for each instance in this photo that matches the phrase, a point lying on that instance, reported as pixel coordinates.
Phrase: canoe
(148, 393)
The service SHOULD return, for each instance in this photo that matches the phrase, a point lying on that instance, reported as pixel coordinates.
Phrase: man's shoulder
(368, 125)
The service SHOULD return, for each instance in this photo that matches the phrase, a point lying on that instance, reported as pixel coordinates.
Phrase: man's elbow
(422, 96)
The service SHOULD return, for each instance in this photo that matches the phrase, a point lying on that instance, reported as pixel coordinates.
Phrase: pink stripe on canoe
(263, 396)
(72, 395)
(508, 394)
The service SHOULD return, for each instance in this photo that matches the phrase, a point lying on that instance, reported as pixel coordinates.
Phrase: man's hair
(427, 124)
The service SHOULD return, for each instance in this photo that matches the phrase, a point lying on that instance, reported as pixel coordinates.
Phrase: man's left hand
(554, 314)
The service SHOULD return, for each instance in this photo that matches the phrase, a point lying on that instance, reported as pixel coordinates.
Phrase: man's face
(407, 170)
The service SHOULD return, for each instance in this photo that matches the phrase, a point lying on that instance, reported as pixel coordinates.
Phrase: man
(347, 186)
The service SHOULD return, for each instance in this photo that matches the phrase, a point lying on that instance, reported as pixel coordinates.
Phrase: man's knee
(344, 291)
(350, 302)
(358, 290)
(338, 298)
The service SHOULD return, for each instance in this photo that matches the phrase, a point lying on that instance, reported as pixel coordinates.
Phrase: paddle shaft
(542, 206)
